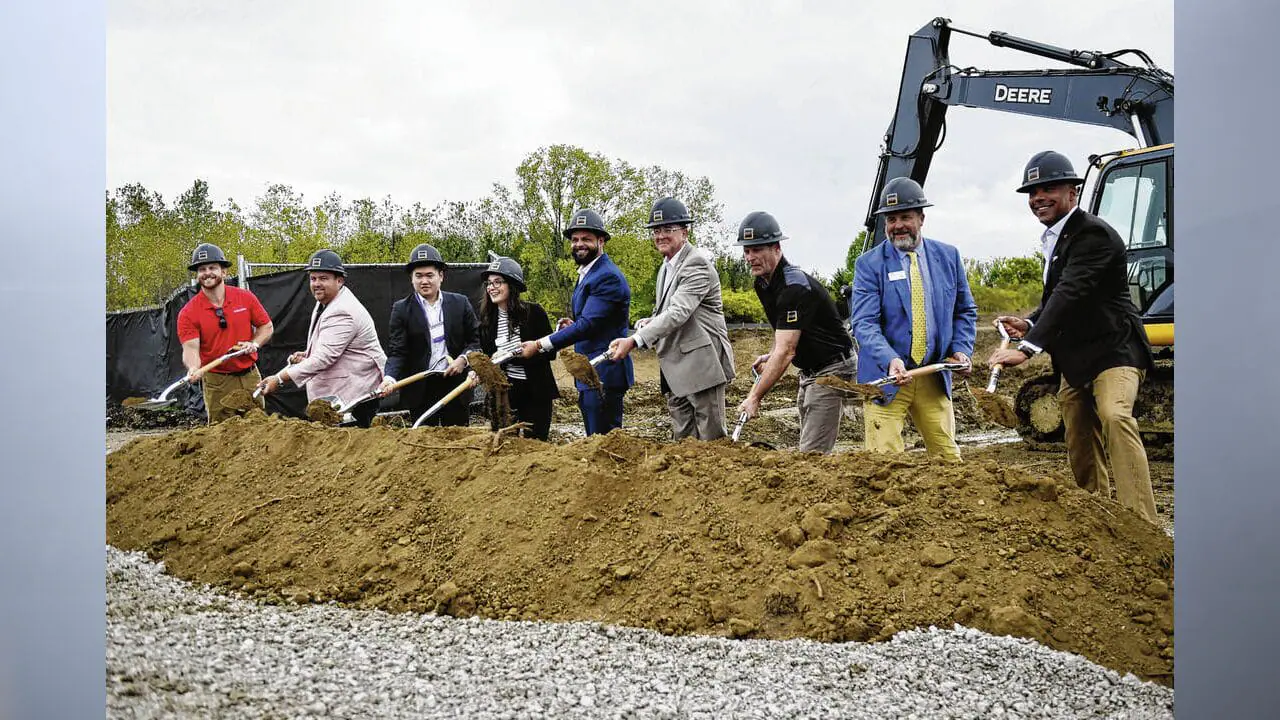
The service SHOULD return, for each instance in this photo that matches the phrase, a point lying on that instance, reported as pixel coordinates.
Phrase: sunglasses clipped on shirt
(222, 317)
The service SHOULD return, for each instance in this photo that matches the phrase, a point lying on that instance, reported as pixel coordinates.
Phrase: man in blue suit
(911, 307)
(601, 312)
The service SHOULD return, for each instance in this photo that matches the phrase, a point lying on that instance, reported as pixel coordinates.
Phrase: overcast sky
(781, 104)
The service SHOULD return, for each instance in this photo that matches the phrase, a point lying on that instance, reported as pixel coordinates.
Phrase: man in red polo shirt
(216, 321)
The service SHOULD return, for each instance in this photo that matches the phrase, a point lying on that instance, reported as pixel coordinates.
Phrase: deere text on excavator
(1133, 190)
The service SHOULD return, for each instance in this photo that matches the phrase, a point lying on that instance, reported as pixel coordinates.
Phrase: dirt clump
(996, 407)
(489, 375)
(580, 368)
(239, 401)
(323, 412)
(685, 538)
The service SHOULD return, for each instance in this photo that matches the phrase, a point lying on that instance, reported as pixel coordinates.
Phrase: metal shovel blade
(742, 419)
(162, 400)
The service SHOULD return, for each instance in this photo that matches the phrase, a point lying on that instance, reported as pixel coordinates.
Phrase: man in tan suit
(343, 357)
(687, 328)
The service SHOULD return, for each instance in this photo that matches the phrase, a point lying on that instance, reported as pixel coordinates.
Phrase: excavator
(1132, 191)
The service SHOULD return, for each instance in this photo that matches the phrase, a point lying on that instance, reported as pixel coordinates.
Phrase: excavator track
(1040, 421)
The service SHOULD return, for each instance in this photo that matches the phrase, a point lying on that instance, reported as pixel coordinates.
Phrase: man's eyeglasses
(495, 283)
(665, 230)
(222, 317)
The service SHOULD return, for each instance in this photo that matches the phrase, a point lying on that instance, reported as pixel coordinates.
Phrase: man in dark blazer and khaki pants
(687, 328)
(1089, 325)
(431, 330)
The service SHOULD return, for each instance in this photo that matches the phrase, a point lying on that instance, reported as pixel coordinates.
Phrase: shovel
(341, 407)
(872, 389)
(997, 408)
(163, 400)
(470, 382)
(584, 371)
(742, 419)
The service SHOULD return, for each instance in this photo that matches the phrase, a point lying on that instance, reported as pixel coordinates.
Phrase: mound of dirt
(685, 538)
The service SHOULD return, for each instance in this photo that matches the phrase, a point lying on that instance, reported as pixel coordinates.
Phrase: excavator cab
(1134, 194)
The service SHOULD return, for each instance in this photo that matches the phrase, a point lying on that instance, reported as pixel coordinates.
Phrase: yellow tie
(919, 329)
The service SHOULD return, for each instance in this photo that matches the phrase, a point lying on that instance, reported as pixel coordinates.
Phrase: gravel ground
(174, 650)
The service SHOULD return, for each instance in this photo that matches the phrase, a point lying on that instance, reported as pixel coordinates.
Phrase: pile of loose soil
(685, 538)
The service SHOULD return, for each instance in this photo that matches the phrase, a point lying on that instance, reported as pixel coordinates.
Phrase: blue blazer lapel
(579, 297)
(579, 294)
(891, 264)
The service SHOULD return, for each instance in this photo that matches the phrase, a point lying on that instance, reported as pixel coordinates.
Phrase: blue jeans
(601, 412)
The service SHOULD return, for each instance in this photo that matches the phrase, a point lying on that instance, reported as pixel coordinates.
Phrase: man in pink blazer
(343, 357)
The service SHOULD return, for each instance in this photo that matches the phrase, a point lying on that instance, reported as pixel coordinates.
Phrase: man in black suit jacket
(1089, 325)
(431, 330)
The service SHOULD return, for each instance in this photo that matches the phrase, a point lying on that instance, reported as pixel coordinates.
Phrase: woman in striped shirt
(506, 321)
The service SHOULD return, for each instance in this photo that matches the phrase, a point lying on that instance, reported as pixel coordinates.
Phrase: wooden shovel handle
(462, 387)
(218, 361)
(407, 381)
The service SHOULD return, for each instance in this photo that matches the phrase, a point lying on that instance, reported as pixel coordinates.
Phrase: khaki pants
(218, 385)
(925, 399)
(700, 415)
(820, 407)
(1101, 417)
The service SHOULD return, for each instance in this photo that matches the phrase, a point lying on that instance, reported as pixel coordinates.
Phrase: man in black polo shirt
(807, 333)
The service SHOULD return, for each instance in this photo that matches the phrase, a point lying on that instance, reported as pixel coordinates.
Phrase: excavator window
(1134, 200)
(1134, 203)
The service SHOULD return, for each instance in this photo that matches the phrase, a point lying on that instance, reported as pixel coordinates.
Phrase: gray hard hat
(425, 254)
(326, 261)
(507, 268)
(206, 253)
(902, 193)
(759, 228)
(668, 211)
(586, 219)
(1047, 168)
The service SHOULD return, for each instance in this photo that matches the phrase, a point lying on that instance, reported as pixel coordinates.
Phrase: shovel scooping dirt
(321, 410)
(872, 389)
(581, 369)
(997, 408)
(163, 400)
(481, 363)
(487, 370)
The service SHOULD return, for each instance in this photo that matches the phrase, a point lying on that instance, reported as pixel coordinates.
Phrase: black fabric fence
(144, 356)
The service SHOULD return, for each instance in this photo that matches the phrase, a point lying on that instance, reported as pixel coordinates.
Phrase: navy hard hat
(668, 211)
(902, 193)
(425, 254)
(206, 253)
(586, 219)
(326, 261)
(508, 269)
(1048, 167)
(759, 228)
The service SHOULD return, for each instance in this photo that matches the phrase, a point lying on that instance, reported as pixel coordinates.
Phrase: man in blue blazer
(601, 313)
(911, 307)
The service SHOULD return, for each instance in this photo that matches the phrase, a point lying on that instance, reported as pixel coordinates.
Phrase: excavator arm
(1099, 90)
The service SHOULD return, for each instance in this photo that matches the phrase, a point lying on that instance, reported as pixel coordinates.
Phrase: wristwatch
(1026, 350)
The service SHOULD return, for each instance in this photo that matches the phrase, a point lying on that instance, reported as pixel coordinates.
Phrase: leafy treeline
(149, 241)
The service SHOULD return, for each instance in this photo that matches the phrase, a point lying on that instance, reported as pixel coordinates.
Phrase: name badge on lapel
(898, 275)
